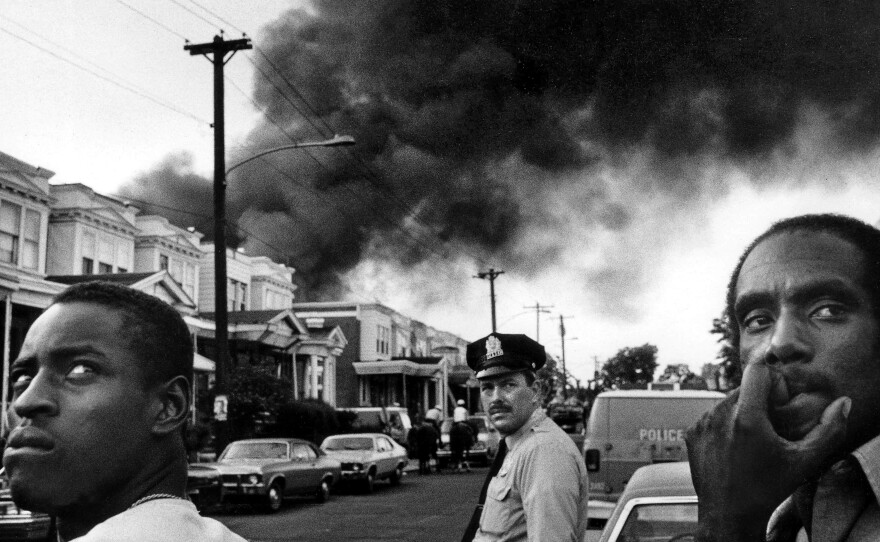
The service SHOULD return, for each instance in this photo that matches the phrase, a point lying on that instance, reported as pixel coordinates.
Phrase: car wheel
(323, 492)
(369, 481)
(274, 498)
(396, 476)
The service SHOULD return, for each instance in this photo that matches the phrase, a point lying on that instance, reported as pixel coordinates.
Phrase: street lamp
(335, 141)
(221, 313)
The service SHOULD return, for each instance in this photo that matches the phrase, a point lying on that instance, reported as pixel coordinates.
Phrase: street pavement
(432, 508)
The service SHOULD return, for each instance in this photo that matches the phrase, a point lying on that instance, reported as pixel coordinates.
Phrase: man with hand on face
(795, 451)
(101, 394)
(537, 487)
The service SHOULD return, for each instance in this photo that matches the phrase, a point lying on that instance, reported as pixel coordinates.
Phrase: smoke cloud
(509, 132)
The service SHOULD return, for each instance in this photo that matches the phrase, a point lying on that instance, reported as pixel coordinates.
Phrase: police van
(633, 428)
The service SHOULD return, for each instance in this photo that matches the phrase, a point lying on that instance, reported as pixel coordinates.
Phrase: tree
(550, 375)
(255, 395)
(729, 372)
(631, 367)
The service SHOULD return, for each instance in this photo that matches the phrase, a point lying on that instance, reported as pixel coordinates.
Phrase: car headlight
(357, 467)
(254, 479)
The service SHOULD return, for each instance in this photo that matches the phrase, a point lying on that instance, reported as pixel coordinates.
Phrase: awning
(203, 364)
(397, 366)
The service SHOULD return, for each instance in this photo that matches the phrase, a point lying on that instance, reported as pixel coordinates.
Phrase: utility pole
(218, 49)
(564, 372)
(538, 310)
(491, 274)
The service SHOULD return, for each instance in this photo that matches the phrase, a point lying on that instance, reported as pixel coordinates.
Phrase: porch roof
(399, 366)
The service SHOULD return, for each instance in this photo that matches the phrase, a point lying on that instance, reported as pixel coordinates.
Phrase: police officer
(538, 484)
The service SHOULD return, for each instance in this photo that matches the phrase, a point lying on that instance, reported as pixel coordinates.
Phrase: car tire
(322, 495)
(369, 481)
(396, 476)
(274, 498)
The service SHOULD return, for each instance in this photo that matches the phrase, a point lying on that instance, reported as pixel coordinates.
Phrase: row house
(25, 203)
(394, 359)
(263, 327)
(55, 235)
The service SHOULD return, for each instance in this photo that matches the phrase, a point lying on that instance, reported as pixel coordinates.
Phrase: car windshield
(660, 523)
(256, 450)
(350, 443)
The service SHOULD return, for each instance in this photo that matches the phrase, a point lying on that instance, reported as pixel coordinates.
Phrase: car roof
(273, 440)
(356, 435)
(373, 409)
(662, 394)
(660, 480)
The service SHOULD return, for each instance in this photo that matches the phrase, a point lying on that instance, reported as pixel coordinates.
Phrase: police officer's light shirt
(540, 492)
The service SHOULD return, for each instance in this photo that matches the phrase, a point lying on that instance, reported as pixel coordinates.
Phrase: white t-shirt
(160, 520)
(460, 414)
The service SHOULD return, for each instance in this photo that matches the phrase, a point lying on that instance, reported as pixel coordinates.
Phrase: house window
(383, 344)
(163, 262)
(30, 254)
(236, 295)
(10, 226)
(88, 266)
(104, 268)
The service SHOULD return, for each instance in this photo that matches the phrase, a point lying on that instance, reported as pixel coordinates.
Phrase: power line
(370, 176)
(194, 14)
(123, 85)
(154, 21)
(219, 18)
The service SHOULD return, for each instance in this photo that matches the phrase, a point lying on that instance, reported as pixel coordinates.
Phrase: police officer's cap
(501, 353)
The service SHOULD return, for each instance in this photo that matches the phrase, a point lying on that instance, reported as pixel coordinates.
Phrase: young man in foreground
(101, 394)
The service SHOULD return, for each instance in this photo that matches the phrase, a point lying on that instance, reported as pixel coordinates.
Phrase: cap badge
(493, 347)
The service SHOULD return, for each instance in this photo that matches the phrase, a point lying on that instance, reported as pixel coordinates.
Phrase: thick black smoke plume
(507, 128)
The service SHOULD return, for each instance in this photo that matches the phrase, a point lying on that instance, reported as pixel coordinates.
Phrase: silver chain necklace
(153, 497)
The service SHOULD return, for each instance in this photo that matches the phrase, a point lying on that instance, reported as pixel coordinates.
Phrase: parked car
(367, 457)
(483, 450)
(392, 421)
(265, 471)
(570, 418)
(204, 486)
(20, 524)
(659, 503)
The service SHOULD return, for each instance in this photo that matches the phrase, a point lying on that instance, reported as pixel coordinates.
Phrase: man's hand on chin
(743, 468)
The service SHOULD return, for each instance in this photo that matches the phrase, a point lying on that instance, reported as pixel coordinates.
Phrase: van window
(370, 421)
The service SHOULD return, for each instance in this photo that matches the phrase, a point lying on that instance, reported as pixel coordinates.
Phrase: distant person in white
(460, 414)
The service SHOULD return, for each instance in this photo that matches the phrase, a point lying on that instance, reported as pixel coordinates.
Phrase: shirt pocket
(498, 509)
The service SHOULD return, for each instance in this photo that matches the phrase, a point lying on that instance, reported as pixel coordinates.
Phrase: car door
(386, 455)
(302, 469)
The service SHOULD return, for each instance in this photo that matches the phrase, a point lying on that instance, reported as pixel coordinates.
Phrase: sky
(607, 172)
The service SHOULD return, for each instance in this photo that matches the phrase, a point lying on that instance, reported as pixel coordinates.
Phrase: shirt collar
(533, 423)
(868, 456)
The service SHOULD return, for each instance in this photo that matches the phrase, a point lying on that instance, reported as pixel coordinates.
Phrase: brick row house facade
(52, 236)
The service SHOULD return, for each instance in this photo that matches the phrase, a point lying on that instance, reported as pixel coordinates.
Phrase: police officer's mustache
(498, 407)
